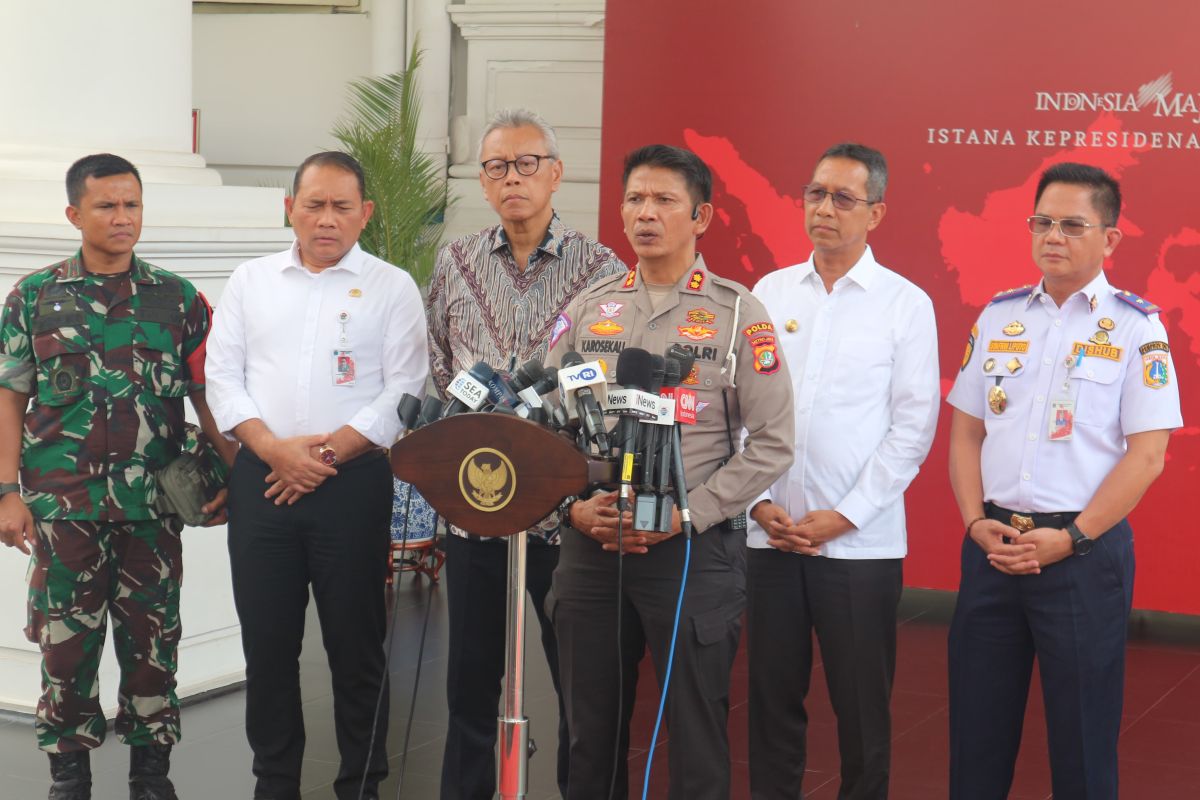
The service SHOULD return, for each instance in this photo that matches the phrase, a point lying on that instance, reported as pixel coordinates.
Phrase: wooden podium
(498, 475)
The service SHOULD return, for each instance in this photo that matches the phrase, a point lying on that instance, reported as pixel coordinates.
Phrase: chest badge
(997, 400)
(701, 316)
(697, 333)
(1100, 337)
(1106, 324)
(1014, 328)
(791, 326)
(606, 327)
(611, 309)
(989, 365)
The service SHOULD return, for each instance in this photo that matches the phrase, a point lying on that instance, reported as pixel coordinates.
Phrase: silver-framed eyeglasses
(497, 168)
(843, 201)
(1071, 228)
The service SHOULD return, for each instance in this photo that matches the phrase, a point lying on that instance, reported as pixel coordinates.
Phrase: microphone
(685, 414)
(634, 372)
(431, 410)
(469, 389)
(645, 512)
(407, 410)
(577, 379)
(527, 374)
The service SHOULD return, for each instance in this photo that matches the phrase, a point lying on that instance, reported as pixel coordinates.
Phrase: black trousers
(337, 540)
(477, 583)
(1073, 617)
(851, 605)
(583, 605)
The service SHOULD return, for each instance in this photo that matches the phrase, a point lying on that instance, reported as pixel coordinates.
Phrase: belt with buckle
(1027, 522)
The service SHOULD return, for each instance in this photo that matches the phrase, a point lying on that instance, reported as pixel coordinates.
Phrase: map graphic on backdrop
(760, 93)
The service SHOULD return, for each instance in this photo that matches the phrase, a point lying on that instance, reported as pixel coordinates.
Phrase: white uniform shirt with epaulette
(1059, 389)
(735, 346)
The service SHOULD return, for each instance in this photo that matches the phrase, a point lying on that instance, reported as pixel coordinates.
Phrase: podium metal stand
(498, 475)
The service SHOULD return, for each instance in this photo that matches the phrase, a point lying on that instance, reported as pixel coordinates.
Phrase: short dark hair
(869, 157)
(332, 158)
(684, 162)
(1106, 191)
(97, 165)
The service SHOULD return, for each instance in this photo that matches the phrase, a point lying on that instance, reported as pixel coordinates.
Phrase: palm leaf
(407, 186)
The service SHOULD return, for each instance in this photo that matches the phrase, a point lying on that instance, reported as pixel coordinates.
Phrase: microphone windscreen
(527, 374)
(634, 368)
(482, 370)
(686, 358)
(571, 359)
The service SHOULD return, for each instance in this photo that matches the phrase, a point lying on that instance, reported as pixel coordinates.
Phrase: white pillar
(78, 77)
(389, 38)
(431, 23)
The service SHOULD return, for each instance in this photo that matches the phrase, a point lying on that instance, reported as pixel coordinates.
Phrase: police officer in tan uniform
(670, 297)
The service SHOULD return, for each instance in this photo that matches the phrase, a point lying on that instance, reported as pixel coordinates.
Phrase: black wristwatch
(9, 488)
(1080, 540)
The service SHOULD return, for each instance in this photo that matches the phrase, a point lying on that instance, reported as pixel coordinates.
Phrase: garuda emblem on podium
(487, 479)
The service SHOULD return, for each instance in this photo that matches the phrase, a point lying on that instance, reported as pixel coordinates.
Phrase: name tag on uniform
(343, 368)
(1062, 420)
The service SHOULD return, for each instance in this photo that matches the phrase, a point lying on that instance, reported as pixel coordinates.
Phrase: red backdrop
(969, 102)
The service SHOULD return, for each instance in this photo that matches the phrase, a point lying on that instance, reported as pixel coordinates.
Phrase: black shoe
(72, 776)
(148, 768)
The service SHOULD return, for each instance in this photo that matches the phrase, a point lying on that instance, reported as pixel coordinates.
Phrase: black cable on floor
(412, 705)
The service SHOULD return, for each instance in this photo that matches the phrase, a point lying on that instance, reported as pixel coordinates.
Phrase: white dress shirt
(271, 351)
(1113, 391)
(864, 367)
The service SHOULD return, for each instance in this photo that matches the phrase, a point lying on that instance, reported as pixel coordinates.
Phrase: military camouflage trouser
(82, 571)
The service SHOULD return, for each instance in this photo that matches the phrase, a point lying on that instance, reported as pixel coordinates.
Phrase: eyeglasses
(1071, 228)
(497, 168)
(841, 200)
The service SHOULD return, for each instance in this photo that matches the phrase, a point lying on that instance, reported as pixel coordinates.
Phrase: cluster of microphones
(649, 402)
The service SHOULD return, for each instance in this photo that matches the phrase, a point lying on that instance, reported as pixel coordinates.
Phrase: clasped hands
(598, 517)
(1022, 553)
(804, 537)
(296, 467)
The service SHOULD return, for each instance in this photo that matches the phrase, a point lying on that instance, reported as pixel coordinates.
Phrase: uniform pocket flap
(711, 627)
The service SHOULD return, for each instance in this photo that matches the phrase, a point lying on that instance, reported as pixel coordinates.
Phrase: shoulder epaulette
(1141, 304)
(1009, 294)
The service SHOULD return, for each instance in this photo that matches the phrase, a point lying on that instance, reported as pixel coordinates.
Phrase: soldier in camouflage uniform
(96, 355)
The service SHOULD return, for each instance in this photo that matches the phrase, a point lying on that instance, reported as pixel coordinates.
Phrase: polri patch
(701, 316)
(757, 328)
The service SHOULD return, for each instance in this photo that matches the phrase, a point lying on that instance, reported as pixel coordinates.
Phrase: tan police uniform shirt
(737, 354)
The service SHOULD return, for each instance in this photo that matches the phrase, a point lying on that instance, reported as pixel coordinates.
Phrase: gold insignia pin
(1100, 337)
(989, 365)
(997, 400)
(1092, 303)
(791, 326)
(1013, 365)
(356, 292)
(1106, 324)
(1014, 328)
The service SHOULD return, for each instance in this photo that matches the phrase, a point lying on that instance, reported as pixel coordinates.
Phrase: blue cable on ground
(662, 702)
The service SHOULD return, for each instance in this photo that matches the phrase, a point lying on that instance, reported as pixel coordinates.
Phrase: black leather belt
(1027, 522)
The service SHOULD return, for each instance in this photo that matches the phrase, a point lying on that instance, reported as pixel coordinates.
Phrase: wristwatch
(327, 455)
(9, 488)
(1081, 541)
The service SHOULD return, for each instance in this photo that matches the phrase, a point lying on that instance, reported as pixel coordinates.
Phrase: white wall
(271, 86)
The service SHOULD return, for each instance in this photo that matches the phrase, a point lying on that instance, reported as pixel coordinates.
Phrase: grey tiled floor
(213, 760)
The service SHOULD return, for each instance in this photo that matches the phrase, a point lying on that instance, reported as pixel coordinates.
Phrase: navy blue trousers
(1073, 617)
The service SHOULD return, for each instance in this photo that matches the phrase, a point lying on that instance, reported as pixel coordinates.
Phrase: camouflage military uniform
(107, 361)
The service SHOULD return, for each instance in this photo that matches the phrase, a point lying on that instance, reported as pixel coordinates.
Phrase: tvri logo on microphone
(586, 374)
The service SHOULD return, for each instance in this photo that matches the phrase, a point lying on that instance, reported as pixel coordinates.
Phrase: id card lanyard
(343, 355)
(1062, 408)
